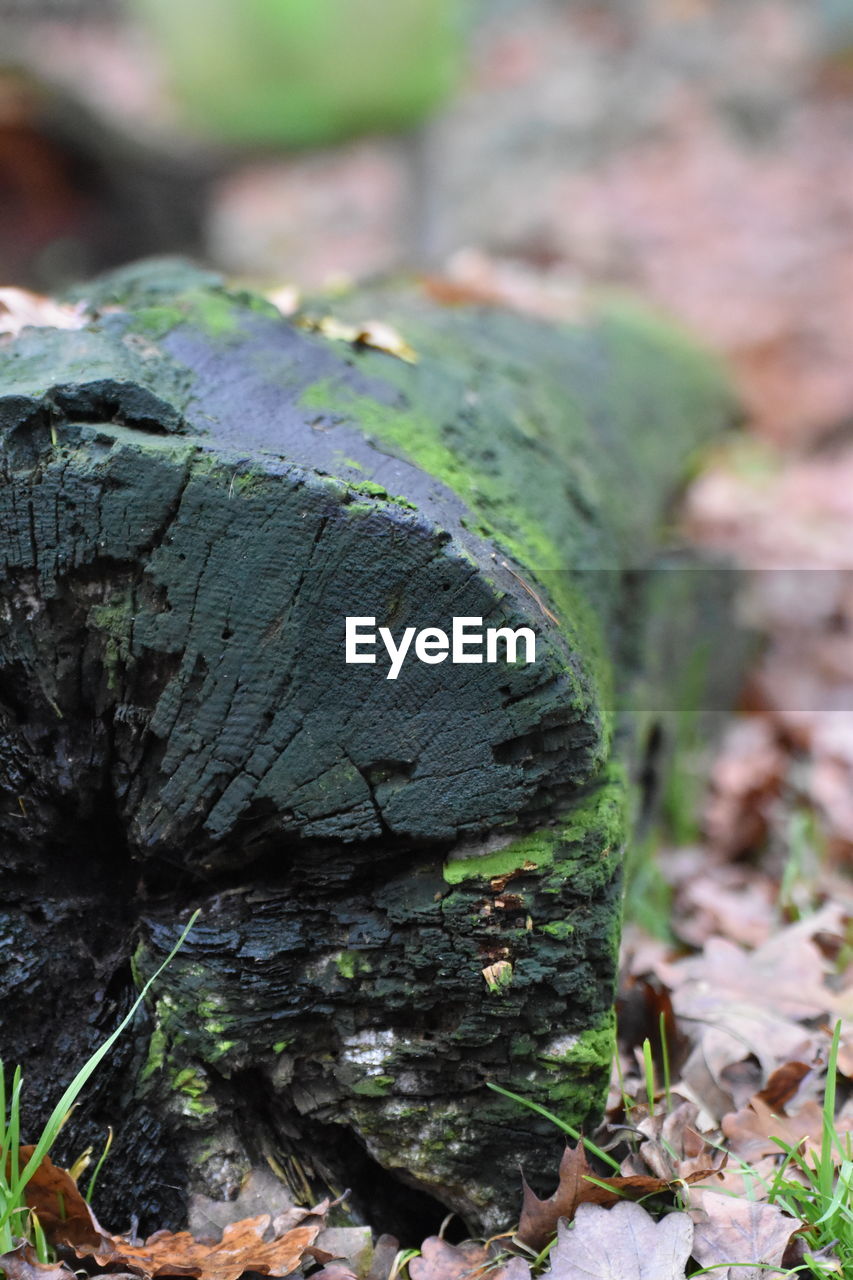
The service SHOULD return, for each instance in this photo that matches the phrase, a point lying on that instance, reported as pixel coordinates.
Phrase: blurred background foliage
(305, 72)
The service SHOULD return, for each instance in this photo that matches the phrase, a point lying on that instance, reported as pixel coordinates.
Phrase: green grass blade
(40, 1241)
(90, 1190)
(649, 1067)
(69, 1097)
(664, 1053)
(561, 1124)
(3, 1143)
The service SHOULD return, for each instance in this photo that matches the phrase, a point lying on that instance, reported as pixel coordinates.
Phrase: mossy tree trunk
(196, 495)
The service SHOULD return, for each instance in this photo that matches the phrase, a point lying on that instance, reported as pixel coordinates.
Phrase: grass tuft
(16, 1221)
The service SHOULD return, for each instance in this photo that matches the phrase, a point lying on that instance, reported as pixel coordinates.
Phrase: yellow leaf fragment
(373, 333)
(385, 338)
(498, 975)
(286, 298)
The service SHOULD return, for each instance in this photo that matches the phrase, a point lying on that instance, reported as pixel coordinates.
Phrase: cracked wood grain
(181, 546)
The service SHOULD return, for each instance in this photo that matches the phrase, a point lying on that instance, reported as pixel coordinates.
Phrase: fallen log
(409, 879)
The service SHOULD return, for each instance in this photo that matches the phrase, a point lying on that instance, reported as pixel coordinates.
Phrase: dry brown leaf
(733, 902)
(783, 1084)
(442, 1261)
(539, 1218)
(749, 1181)
(644, 1012)
(743, 1233)
(784, 976)
(22, 1264)
(673, 1150)
(242, 1248)
(67, 1220)
(745, 779)
(335, 1271)
(746, 1003)
(770, 284)
(476, 278)
(20, 309)
(622, 1243)
(750, 1131)
(727, 1034)
(63, 1213)
(296, 1216)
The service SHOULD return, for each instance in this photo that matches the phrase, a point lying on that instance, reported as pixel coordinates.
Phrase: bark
(196, 494)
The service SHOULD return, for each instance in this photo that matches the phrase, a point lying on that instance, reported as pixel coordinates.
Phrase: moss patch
(351, 963)
(599, 816)
(528, 853)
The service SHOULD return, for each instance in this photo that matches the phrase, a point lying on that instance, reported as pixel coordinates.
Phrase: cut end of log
(197, 495)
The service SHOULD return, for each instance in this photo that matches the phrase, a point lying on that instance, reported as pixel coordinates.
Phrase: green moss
(115, 620)
(521, 1046)
(561, 929)
(156, 1053)
(280, 1046)
(351, 963)
(245, 482)
(188, 1082)
(200, 1107)
(630, 318)
(598, 817)
(220, 1049)
(501, 517)
(374, 490)
(576, 1072)
(588, 1050)
(115, 617)
(158, 320)
(601, 812)
(375, 1087)
(214, 311)
(195, 1099)
(254, 301)
(537, 849)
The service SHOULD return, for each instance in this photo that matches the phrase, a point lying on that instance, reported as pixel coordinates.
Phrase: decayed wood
(196, 495)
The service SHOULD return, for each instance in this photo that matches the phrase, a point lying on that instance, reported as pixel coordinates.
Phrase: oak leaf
(784, 976)
(748, 1235)
(67, 1220)
(64, 1215)
(673, 1150)
(539, 1218)
(22, 1264)
(784, 1084)
(442, 1261)
(751, 1130)
(622, 1243)
(242, 1248)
